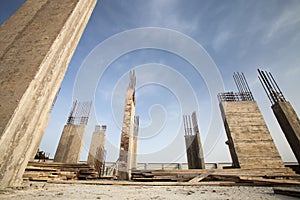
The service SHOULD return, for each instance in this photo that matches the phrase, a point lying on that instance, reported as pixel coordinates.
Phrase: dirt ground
(45, 191)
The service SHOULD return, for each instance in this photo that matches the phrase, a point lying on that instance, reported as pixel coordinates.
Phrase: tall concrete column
(283, 111)
(290, 125)
(39, 131)
(194, 151)
(249, 140)
(135, 142)
(41, 128)
(36, 45)
(71, 140)
(126, 144)
(97, 151)
(70, 144)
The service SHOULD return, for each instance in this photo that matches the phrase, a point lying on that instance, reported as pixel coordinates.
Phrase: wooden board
(294, 192)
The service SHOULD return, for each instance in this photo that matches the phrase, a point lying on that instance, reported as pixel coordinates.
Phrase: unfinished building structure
(96, 157)
(283, 110)
(193, 143)
(71, 140)
(128, 128)
(36, 46)
(250, 143)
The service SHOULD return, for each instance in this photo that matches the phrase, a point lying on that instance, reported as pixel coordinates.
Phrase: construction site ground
(43, 190)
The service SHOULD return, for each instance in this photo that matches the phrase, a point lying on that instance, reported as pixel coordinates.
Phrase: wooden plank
(271, 181)
(294, 192)
(132, 183)
(201, 176)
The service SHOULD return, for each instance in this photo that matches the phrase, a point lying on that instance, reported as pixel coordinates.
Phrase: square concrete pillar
(36, 45)
(96, 157)
(135, 142)
(249, 140)
(290, 125)
(40, 130)
(194, 151)
(126, 146)
(127, 142)
(70, 144)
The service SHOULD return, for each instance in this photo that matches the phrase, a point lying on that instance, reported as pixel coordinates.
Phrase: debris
(44, 171)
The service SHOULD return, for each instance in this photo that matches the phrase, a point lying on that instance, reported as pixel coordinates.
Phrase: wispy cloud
(284, 22)
(221, 38)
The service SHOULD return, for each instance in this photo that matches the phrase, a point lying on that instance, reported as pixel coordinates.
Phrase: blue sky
(234, 36)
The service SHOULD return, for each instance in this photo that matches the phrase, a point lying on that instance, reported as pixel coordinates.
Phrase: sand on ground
(47, 191)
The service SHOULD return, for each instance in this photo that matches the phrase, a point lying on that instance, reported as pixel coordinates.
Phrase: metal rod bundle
(80, 112)
(243, 87)
(244, 93)
(187, 125)
(270, 87)
(190, 124)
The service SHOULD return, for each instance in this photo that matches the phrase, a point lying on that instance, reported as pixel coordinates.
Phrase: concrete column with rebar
(36, 46)
(283, 111)
(96, 157)
(71, 141)
(194, 151)
(250, 143)
(127, 144)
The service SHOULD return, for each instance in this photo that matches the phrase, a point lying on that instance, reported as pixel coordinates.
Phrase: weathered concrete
(126, 144)
(198, 148)
(97, 150)
(194, 152)
(36, 45)
(135, 142)
(290, 125)
(249, 140)
(40, 130)
(70, 144)
(193, 143)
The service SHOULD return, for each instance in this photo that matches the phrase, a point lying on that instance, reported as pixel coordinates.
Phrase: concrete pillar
(70, 144)
(40, 130)
(193, 143)
(36, 45)
(135, 143)
(97, 151)
(198, 146)
(193, 151)
(290, 125)
(249, 140)
(126, 144)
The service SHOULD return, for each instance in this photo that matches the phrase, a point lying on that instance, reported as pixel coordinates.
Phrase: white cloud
(286, 20)
(220, 39)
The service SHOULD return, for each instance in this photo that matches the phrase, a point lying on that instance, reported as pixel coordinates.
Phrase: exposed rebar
(271, 87)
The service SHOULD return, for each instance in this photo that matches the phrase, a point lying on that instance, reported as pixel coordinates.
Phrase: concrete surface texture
(36, 45)
(128, 128)
(40, 129)
(135, 142)
(195, 160)
(194, 151)
(96, 152)
(249, 140)
(290, 125)
(126, 144)
(70, 144)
